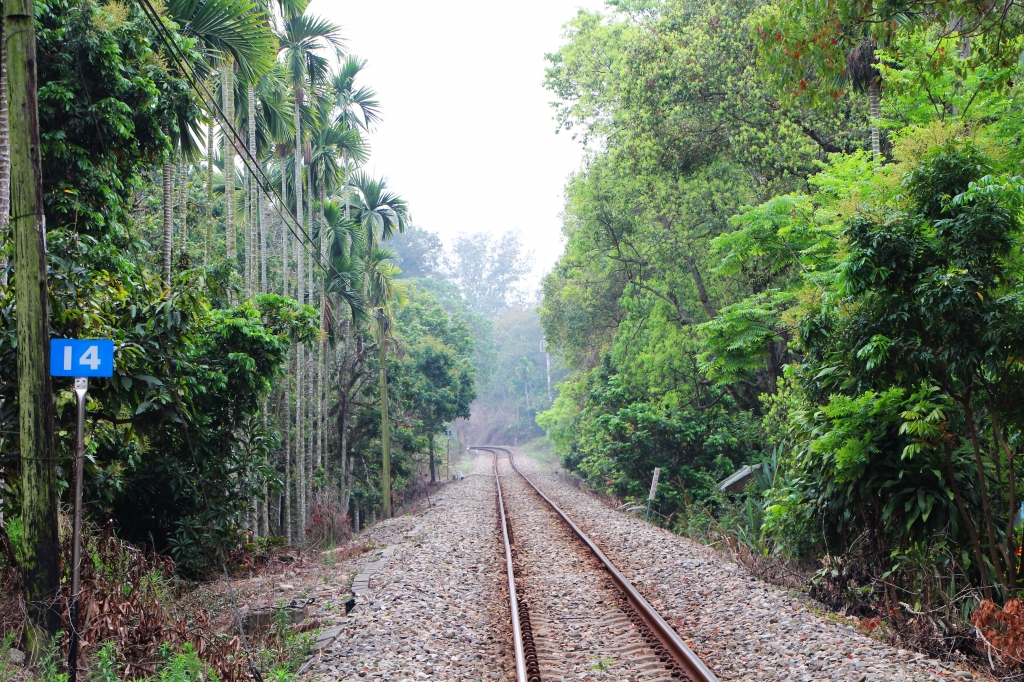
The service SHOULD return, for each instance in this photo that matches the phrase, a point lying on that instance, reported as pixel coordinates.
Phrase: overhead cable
(250, 162)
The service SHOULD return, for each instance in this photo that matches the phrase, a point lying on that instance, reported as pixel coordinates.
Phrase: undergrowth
(917, 598)
(139, 621)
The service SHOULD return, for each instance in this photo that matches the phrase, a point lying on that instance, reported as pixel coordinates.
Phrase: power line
(255, 169)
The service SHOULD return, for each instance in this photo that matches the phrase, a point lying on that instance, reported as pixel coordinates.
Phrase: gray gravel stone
(432, 607)
(744, 629)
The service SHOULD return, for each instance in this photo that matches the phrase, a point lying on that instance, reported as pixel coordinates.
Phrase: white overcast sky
(468, 136)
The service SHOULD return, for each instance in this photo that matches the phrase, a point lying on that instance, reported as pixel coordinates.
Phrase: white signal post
(654, 490)
(447, 452)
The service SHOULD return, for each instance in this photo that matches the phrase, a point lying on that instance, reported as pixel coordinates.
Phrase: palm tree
(377, 214)
(302, 39)
(227, 90)
(267, 121)
(228, 31)
(331, 144)
(273, 126)
(344, 307)
(383, 294)
(865, 77)
(357, 108)
(379, 211)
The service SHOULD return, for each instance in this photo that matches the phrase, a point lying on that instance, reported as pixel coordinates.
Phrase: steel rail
(689, 663)
(513, 602)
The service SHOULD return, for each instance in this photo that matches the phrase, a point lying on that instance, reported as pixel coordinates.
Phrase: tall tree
(230, 31)
(488, 270)
(5, 156)
(227, 89)
(301, 41)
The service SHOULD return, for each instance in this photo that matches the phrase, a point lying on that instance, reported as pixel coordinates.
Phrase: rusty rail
(513, 599)
(672, 648)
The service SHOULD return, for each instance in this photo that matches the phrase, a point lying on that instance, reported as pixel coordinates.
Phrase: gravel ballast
(433, 606)
(743, 628)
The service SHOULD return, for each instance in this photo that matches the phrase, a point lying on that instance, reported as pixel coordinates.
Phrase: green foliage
(50, 667)
(8, 670)
(438, 348)
(617, 438)
(741, 278)
(185, 666)
(739, 340)
(106, 667)
(431, 382)
(806, 46)
(104, 92)
(175, 444)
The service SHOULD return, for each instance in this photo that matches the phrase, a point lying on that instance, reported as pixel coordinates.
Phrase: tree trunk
(702, 293)
(968, 521)
(182, 206)
(875, 109)
(40, 549)
(262, 227)
(250, 247)
(300, 439)
(297, 160)
(343, 415)
(1011, 550)
(228, 93)
(265, 515)
(208, 239)
(167, 202)
(310, 367)
(300, 296)
(982, 489)
(287, 454)
(385, 428)
(322, 380)
(348, 202)
(246, 239)
(5, 158)
(320, 399)
(300, 449)
(284, 230)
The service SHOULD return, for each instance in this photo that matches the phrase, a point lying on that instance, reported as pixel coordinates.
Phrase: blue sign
(81, 358)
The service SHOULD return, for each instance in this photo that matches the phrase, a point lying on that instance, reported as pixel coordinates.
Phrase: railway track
(571, 609)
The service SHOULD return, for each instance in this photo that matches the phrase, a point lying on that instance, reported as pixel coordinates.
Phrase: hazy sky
(468, 137)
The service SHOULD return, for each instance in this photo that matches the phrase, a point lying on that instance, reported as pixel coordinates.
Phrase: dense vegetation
(249, 288)
(482, 279)
(796, 243)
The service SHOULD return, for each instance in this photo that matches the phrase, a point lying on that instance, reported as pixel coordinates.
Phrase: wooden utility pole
(40, 569)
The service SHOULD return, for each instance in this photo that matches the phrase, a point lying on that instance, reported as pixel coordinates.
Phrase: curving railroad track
(571, 609)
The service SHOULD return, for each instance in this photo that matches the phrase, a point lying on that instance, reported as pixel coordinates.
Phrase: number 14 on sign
(81, 357)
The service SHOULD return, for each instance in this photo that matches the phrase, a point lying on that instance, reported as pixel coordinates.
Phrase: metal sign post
(79, 358)
(81, 388)
(654, 489)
